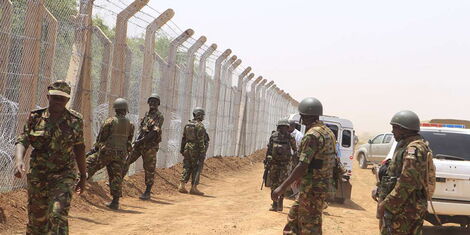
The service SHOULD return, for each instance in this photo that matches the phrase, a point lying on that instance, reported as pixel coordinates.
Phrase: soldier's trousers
(409, 222)
(190, 164)
(149, 157)
(49, 199)
(305, 215)
(278, 172)
(114, 161)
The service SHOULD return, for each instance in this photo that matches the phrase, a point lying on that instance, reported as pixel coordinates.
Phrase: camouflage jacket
(318, 150)
(409, 166)
(279, 147)
(195, 138)
(152, 121)
(52, 142)
(106, 131)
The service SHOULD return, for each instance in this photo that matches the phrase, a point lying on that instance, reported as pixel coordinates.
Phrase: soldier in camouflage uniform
(315, 170)
(113, 143)
(402, 191)
(278, 157)
(147, 143)
(56, 135)
(194, 146)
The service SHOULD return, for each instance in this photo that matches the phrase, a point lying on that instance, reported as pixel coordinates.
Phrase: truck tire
(362, 161)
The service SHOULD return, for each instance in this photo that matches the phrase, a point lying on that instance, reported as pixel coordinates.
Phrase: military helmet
(283, 122)
(406, 119)
(310, 107)
(154, 96)
(198, 111)
(293, 122)
(120, 103)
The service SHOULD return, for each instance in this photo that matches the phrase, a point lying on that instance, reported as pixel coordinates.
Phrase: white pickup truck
(451, 148)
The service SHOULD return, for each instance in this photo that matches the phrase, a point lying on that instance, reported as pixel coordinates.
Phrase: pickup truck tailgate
(452, 180)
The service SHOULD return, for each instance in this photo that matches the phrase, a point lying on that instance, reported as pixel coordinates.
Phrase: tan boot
(195, 191)
(181, 188)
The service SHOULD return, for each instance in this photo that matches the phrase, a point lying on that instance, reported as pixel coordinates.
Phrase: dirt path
(233, 205)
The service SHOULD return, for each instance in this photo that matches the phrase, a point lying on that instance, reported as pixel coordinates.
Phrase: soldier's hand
(380, 210)
(80, 188)
(20, 169)
(373, 194)
(277, 193)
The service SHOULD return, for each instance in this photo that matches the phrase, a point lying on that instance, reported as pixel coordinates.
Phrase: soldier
(193, 147)
(56, 135)
(147, 144)
(315, 170)
(278, 157)
(402, 191)
(113, 143)
(297, 135)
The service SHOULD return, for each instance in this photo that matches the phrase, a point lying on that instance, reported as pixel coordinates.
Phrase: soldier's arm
(183, 141)
(201, 139)
(79, 150)
(269, 152)
(130, 138)
(206, 139)
(293, 144)
(22, 143)
(408, 182)
(103, 134)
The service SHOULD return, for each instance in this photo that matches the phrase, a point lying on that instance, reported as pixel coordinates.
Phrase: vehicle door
(374, 148)
(384, 147)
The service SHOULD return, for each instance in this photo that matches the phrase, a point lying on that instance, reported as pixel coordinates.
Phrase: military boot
(280, 203)
(146, 194)
(181, 188)
(114, 204)
(273, 206)
(195, 191)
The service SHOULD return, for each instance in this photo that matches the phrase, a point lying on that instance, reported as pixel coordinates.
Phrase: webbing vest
(120, 131)
(323, 162)
(280, 147)
(190, 131)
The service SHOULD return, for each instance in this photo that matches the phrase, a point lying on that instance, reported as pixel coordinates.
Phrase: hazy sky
(365, 60)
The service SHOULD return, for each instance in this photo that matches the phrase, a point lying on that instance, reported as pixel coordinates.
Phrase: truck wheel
(362, 161)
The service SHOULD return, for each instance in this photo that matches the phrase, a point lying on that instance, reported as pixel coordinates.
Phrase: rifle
(266, 172)
(200, 166)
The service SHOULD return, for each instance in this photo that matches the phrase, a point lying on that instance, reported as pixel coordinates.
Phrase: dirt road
(233, 205)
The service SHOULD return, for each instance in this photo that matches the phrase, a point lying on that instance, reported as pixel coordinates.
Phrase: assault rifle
(200, 166)
(267, 163)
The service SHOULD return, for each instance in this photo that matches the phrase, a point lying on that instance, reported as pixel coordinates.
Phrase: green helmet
(154, 96)
(198, 111)
(283, 122)
(120, 103)
(310, 107)
(406, 119)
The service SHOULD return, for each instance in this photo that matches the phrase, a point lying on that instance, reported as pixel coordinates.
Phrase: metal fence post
(119, 50)
(149, 58)
(204, 79)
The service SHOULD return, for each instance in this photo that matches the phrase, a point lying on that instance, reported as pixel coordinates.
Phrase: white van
(451, 149)
(345, 138)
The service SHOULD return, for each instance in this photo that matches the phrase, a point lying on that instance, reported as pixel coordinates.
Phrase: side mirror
(369, 141)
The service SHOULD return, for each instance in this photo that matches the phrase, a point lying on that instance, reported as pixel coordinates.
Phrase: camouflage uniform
(52, 173)
(152, 121)
(318, 151)
(193, 147)
(113, 143)
(406, 204)
(279, 150)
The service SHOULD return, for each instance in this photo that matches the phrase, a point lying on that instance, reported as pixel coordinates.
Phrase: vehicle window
(451, 144)
(387, 139)
(346, 139)
(333, 128)
(378, 139)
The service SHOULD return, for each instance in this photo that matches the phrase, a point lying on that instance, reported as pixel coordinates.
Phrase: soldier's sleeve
(103, 134)
(269, 152)
(293, 144)
(23, 137)
(308, 147)
(130, 138)
(206, 139)
(409, 181)
(200, 138)
(183, 140)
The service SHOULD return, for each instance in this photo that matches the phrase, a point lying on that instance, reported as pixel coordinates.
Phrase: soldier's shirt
(201, 141)
(152, 121)
(285, 146)
(409, 165)
(52, 142)
(105, 133)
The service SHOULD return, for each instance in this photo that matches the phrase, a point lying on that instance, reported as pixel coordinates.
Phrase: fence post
(105, 64)
(5, 30)
(257, 113)
(236, 114)
(190, 57)
(48, 55)
(82, 98)
(30, 61)
(119, 50)
(149, 58)
(242, 118)
(214, 103)
(219, 120)
(170, 98)
(268, 102)
(251, 115)
(228, 123)
(127, 73)
(202, 73)
(262, 118)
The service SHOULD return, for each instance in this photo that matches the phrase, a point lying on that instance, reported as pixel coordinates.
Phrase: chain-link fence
(121, 48)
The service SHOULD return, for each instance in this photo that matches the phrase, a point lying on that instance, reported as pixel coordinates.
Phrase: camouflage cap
(59, 87)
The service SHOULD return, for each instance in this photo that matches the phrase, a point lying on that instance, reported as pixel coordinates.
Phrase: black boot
(273, 206)
(114, 204)
(280, 203)
(146, 194)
